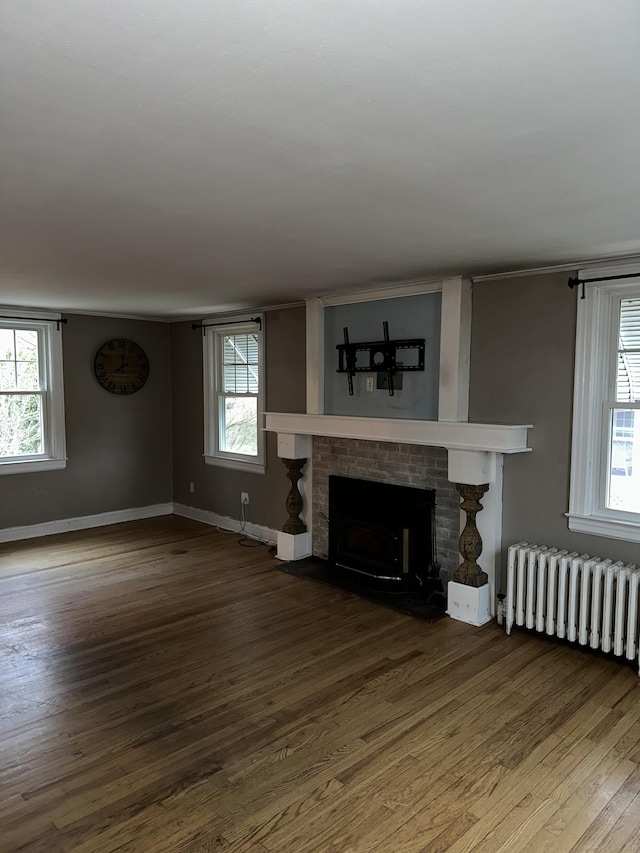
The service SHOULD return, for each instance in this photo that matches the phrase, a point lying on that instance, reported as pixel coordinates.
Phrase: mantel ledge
(453, 435)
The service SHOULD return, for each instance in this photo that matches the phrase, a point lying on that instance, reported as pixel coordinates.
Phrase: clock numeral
(111, 386)
(121, 343)
(111, 345)
(123, 389)
(102, 375)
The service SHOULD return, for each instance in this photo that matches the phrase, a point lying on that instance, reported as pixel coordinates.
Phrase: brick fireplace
(452, 457)
(387, 462)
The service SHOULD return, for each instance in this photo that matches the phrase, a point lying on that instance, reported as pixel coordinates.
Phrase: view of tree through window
(20, 394)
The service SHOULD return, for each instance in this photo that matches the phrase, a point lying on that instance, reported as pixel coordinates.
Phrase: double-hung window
(605, 464)
(234, 392)
(32, 434)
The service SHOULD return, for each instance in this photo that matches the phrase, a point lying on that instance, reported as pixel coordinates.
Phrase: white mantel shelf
(453, 435)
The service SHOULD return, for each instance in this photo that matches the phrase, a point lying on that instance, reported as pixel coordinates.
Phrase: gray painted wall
(408, 317)
(522, 354)
(218, 489)
(119, 448)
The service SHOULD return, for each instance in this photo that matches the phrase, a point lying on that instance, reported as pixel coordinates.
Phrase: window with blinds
(628, 376)
(240, 364)
(233, 396)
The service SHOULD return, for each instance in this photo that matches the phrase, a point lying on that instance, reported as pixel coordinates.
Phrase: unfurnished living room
(320, 426)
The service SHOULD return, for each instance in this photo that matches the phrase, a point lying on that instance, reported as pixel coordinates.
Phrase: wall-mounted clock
(121, 366)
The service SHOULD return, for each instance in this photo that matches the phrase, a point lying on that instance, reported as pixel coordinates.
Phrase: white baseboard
(255, 531)
(82, 522)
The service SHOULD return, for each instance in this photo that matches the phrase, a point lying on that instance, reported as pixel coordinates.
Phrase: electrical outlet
(192, 488)
(368, 383)
(244, 497)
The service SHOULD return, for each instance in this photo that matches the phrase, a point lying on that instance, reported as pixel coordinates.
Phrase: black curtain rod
(257, 320)
(574, 282)
(57, 322)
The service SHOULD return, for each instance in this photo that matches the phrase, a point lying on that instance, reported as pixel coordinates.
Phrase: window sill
(31, 466)
(627, 531)
(236, 464)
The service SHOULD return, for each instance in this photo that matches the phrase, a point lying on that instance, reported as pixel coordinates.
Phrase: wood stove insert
(381, 535)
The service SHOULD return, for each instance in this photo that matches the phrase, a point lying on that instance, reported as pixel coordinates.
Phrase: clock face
(121, 366)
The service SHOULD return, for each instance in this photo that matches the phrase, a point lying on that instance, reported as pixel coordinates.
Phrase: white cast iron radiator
(588, 600)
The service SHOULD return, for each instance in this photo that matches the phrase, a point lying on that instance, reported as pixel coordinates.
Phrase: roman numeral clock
(121, 366)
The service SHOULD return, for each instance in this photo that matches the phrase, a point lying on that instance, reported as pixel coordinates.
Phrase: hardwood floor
(164, 689)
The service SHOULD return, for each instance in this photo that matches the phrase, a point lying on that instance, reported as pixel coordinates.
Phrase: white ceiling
(179, 157)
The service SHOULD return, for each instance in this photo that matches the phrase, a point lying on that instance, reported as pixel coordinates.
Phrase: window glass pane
(240, 364)
(7, 350)
(19, 360)
(628, 368)
(27, 375)
(7, 376)
(20, 425)
(240, 425)
(624, 470)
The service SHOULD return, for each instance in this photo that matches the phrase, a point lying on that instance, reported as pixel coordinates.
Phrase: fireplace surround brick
(388, 462)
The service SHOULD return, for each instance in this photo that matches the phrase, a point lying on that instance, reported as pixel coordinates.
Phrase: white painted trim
(293, 546)
(470, 604)
(111, 316)
(455, 350)
(235, 464)
(54, 400)
(33, 313)
(315, 356)
(234, 313)
(597, 526)
(629, 267)
(415, 288)
(24, 466)
(557, 268)
(498, 438)
(255, 531)
(294, 446)
(473, 467)
(489, 524)
(83, 522)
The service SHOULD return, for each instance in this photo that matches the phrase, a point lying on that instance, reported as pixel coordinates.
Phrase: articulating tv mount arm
(377, 357)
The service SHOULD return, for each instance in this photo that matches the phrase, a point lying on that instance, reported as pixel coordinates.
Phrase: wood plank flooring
(164, 689)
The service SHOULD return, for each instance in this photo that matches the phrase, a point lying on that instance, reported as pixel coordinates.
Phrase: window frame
(593, 403)
(214, 393)
(50, 370)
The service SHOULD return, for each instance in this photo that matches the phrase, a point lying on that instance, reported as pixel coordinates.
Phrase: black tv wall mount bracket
(377, 357)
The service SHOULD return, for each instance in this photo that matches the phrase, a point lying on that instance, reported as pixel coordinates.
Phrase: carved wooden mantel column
(294, 502)
(469, 572)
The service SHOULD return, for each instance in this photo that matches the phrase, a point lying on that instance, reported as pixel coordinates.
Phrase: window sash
(606, 458)
(226, 438)
(42, 453)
